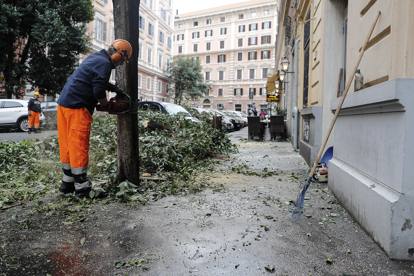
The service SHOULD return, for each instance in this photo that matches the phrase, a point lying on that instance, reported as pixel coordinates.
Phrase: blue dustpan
(327, 156)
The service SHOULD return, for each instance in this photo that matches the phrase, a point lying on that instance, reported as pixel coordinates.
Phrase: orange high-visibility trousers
(34, 119)
(74, 127)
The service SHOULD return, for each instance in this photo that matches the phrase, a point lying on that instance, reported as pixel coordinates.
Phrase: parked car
(167, 108)
(14, 114)
(227, 123)
(237, 121)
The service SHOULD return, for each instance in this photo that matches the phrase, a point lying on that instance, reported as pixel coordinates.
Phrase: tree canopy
(186, 77)
(40, 41)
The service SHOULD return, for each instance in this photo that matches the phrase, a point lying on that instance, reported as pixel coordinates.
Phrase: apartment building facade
(156, 23)
(155, 43)
(371, 169)
(235, 45)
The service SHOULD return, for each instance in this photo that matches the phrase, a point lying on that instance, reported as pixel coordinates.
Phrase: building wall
(372, 161)
(154, 53)
(222, 93)
(155, 49)
(370, 172)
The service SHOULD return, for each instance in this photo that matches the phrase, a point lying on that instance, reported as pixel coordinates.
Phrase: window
(140, 50)
(149, 84)
(100, 30)
(241, 16)
(160, 59)
(252, 74)
(222, 19)
(306, 50)
(141, 22)
(158, 86)
(265, 72)
(180, 37)
(223, 31)
(195, 23)
(161, 38)
(150, 29)
(238, 91)
(252, 55)
(12, 104)
(221, 75)
(261, 91)
(220, 92)
(195, 35)
(149, 55)
(180, 49)
(208, 46)
(220, 106)
(208, 33)
(239, 74)
(242, 28)
(221, 58)
(266, 39)
(169, 43)
(239, 56)
(208, 21)
(207, 76)
(252, 93)
(267, 25)
(222, 44)
(195, 48)
(207, 59)
(252, 41)
(139, 81)
(253, 27)
(265, 54)
(238, 107)
(163, 14)
(240, 42)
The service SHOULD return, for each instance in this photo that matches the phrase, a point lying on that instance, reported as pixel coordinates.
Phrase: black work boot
(68, 182)
(29, 131)
(37, 130)
(82, 185)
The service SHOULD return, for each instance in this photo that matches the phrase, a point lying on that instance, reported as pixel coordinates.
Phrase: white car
(13, 114)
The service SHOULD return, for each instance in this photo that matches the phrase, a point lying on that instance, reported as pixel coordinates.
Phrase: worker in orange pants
(34, 110)
(85, 88)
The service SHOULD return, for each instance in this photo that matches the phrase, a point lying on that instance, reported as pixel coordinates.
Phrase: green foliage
(172, 153)
(27, 170)
(41, 41)
(185, 74)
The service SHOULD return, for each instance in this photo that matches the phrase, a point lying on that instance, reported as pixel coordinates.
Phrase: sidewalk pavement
(244, 228)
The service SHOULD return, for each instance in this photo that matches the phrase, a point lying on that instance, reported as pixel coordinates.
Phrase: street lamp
(285, 64)
(282, 75)
(277, 84)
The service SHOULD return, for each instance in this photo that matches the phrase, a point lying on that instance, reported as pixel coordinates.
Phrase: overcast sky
(185, 6)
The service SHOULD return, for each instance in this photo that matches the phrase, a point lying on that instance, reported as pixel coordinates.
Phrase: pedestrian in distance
(34, 110)
(262, 115)
(84, 90)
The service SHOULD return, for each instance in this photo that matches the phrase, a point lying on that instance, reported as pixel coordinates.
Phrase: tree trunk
(126, 27)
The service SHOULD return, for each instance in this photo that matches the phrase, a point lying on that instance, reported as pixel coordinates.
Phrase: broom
(298, 208)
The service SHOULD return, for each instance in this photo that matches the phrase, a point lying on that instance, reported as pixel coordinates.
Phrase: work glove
(116, 105)
(114, 88)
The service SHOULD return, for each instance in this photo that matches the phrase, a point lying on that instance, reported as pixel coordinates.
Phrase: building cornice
(224, 10)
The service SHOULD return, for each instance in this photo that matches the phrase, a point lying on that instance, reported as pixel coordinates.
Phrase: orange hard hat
(123, 50)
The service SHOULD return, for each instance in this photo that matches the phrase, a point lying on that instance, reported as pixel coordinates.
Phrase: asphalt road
(14, 136)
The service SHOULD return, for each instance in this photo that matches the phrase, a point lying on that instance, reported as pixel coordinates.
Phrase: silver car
(14, 114)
